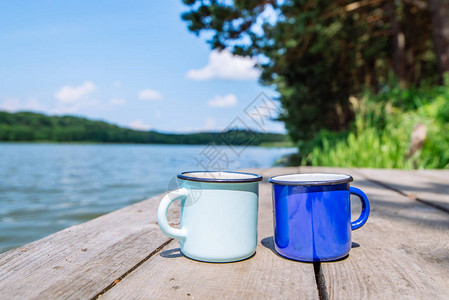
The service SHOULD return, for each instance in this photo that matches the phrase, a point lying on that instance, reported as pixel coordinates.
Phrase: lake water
(47, 187)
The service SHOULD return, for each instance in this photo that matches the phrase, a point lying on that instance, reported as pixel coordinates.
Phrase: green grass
(380, 135)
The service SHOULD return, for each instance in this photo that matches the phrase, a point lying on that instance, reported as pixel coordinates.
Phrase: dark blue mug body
(312, 215)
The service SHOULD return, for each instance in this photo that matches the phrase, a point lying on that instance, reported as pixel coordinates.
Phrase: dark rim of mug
(348, 178)
(253, 178)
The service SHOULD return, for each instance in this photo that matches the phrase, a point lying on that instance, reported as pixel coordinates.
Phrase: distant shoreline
(35, 127)
(263, 145)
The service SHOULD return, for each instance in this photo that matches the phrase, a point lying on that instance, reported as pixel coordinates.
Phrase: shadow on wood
(172, 253)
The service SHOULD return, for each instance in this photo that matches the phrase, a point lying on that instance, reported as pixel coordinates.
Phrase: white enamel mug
(218, 215)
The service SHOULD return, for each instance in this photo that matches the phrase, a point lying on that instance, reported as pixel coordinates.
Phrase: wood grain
(431, 186)
(403, 252)
(264, 276)
(403, 249)
(82, 260)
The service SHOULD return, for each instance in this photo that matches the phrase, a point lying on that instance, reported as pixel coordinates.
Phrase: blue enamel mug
(312, 215)
(218, 215)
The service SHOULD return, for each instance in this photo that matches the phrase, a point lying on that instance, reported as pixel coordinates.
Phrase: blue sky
(132, 63)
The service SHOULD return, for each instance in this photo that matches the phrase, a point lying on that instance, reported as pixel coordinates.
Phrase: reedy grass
(380, 134)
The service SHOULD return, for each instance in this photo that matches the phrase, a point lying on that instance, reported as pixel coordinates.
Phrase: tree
(440, 21)
(317, 53)
(28, 126)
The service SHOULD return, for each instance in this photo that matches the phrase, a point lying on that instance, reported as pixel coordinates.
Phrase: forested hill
(28, 126)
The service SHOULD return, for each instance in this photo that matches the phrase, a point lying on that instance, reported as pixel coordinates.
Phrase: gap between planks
(112, 284)
(327, 281)
(129, 280)
(320, 281)
(408, 195)
(319, 275)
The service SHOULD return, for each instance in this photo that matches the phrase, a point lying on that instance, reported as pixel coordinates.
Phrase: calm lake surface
(47, 187)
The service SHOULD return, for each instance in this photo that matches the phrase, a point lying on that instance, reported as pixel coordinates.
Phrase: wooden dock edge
(115, 254)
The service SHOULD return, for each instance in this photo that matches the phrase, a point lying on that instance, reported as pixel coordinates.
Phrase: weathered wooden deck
(402, 252)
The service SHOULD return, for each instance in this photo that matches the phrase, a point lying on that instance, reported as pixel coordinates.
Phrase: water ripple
(48, 187)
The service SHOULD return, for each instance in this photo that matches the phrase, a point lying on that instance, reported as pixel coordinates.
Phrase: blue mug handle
(365, 208)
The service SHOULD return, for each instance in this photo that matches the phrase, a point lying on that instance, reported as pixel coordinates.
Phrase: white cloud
(33, 104)
(117, 101)
(62, 110)
(223, 65)
(149, 95)
(223, 101)
(209, 124)
(69, 94)
(117, 84)
(139, 125)
(84, 104)
(13, 105)
(76, 99)
(10, 104)
(87, 104)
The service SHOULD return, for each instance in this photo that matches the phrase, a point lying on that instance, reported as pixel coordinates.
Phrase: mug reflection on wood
(218, 215)
(312, 215)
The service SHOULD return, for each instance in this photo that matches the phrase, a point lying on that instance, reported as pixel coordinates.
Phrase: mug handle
(365, 208)
(177, 233)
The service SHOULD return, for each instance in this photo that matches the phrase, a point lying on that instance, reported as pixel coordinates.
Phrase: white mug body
(218, 219)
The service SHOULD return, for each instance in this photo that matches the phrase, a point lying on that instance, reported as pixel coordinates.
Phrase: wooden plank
(430, 186)
(403, 250)
(266, 275)
(80, 261)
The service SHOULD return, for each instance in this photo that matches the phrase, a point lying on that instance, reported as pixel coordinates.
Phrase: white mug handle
(168, 199)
